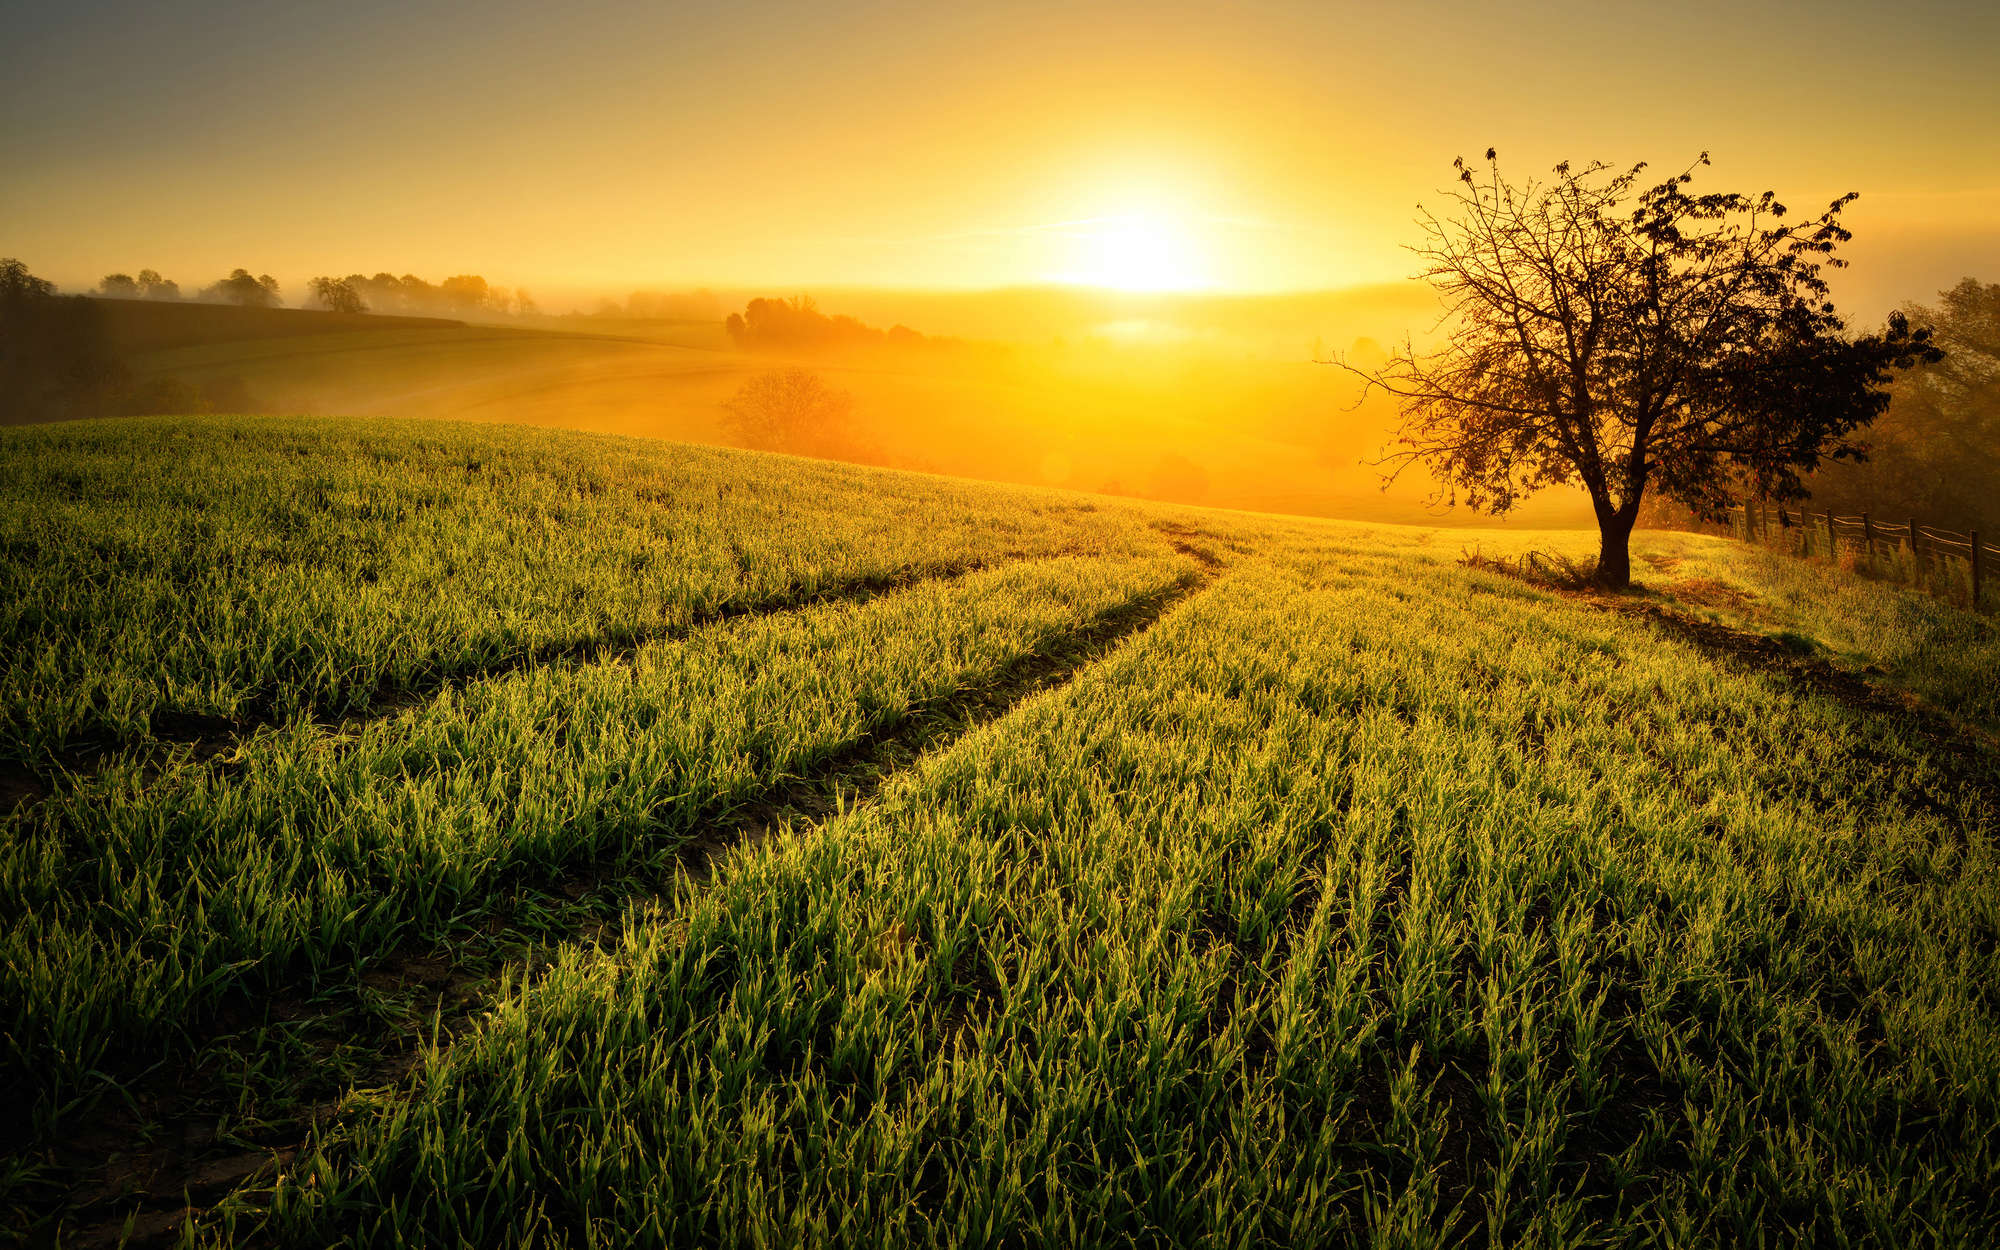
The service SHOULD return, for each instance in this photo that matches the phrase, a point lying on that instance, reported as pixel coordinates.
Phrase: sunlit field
(452, 834)
(1118, 403)
(1037, 626)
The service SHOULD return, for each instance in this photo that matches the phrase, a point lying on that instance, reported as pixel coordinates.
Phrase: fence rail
(1948, 563)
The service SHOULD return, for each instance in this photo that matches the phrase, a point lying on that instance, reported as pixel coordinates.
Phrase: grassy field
(475, 835)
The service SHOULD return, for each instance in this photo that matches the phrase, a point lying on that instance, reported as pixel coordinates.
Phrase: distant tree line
(240, 287)
(56, 361)
(461, 295)
(148, 285)
(799, 325)
(465, 294)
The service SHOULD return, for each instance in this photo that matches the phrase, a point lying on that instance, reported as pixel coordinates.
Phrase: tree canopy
(1936, 452)
(794, 410)
(1620, 337)
(335, 295)
(241, 288)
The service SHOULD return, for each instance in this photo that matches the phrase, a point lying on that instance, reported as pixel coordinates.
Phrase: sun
(1140, 252)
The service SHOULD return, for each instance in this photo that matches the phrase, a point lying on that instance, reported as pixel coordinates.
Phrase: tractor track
(135, 1169)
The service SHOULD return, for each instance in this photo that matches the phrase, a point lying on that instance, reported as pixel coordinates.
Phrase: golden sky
(598, 146)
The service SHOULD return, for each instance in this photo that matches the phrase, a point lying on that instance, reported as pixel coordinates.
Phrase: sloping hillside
(445, 834)
(137, 326)
(1188, 422)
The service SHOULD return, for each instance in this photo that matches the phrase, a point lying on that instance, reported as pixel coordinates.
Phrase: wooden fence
(1945, 562)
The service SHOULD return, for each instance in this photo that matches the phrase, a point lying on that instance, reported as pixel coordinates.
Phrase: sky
(598, 146)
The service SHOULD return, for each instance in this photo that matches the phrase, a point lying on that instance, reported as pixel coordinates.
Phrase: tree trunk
(1614, 550)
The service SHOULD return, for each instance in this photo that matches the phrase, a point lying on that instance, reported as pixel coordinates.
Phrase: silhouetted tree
(241, 288)
(382, 292)
(795, 410)
(19, 288)
(464, 292)
(418, 295)
(1624, 339)
(118, 286)
(152, 286)
(336, 295)
(359, 284)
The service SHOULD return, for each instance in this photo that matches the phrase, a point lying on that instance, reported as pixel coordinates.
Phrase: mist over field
(1223, 400)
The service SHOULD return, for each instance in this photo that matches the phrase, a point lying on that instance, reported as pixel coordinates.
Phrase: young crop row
(1327, 910)
(161, 575)
(139, 900)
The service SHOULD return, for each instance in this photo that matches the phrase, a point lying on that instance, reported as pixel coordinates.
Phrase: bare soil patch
(1710, 593)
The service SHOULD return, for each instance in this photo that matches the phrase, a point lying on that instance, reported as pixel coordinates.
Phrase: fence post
(1868, 536)
(1916, 560)
(1975, 570)
(1832, 539)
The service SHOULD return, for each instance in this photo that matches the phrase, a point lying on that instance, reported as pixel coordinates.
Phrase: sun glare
(1139, 252)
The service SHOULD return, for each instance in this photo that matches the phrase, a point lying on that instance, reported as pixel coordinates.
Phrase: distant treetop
(241, 288)
(798, 325)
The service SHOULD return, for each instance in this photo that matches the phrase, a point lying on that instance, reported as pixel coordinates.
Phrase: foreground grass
(1326, 913)
(1947, 656)
(145, 901)
(1362, 898)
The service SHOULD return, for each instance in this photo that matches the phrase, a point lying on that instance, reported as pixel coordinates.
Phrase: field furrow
(442, 987)
(466, 836)
(353, 561)
(179, 738)
(147, 901)
(1277, 928)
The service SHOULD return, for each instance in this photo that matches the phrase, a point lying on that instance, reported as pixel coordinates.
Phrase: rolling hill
(1187, 421)
(437, 834)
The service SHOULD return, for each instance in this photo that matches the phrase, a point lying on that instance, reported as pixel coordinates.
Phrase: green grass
(1941, 653)
(1174, 877)
(226, 568)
